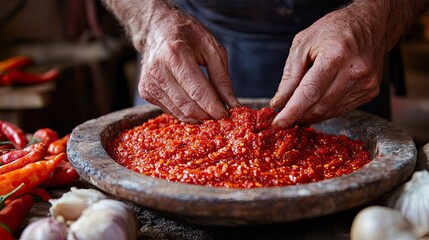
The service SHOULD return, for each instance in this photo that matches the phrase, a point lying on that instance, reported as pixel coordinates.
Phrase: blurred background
(98, 66)
(83, 41)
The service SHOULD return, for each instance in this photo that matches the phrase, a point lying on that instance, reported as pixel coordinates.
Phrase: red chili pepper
(5, 232)
(12, 156)
(3, 198)
(31, 175)
(19, 77)
(14, 63)
(14, 212)
(46, 135)
(63, 174)
(59, 146)
(10, 64)
(2, 136)
(41, 193)
(4, 143)
(31, 157)
(14, 134)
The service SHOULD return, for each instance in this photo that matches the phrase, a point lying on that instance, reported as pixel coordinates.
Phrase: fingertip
(218, 111)
(280, 123)
(274, 103)
(279, 100)
(233, 102)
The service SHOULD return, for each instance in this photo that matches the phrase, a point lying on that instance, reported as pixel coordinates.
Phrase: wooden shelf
(26, 97)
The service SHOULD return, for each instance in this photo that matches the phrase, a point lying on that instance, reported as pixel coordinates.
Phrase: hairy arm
(335, 65)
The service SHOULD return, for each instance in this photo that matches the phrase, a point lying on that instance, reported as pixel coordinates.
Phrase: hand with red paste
(336, 64)
(174, 46)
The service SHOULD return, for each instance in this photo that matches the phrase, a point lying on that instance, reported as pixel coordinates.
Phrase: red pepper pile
(11, 72)
(26, 168)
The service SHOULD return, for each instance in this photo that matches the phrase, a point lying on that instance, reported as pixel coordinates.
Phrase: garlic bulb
(377, 222)
(412, 200)
(71, 204)
(104, 220)
(45, 229)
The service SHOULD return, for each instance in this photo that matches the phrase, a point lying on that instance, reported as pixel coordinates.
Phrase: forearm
(387, 20)
(137, 16)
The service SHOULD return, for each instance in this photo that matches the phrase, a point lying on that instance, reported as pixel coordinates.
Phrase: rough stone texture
(394, 158)
(423, 158)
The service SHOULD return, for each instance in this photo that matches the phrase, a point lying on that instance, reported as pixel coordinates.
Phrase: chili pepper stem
(5, 142)
(6, 227)
(32, 141)
(3, 198)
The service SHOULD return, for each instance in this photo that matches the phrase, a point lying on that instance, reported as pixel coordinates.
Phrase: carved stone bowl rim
(392, 149)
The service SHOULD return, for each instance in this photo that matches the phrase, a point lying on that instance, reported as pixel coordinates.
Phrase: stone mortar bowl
(393, 160)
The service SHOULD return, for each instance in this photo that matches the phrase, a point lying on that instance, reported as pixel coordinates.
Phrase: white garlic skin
(412, 200)
(71, 204)
(381, 223)
(106, 219)
(45, 229)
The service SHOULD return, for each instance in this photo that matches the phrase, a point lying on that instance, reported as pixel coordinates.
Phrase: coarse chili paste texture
(241, 151)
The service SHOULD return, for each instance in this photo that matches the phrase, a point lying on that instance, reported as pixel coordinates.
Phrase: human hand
(176, 46)
(334, 66)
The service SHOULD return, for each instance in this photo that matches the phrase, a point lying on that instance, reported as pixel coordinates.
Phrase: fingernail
(274, 102)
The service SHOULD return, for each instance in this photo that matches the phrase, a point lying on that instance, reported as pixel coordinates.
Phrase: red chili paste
(241, 151)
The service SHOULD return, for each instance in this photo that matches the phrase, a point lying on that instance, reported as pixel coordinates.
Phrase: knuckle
(155, 70)
(359, 70)
(311, 92)
(372, 84)
(173, 55)
(188, 108)
(190, 111)
(223, 80)
(153, 90)
(196, 92)
(342, 46)
(295, 113)
(320, 110)
(298, 38)
(338, 53)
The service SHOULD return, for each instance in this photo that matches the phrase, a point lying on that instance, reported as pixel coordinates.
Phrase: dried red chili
(241, 151)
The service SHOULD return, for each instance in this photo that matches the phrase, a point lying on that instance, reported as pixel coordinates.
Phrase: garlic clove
(381, 223)
(71, 204)
(45, 229)
(106, 219)
(412, 200)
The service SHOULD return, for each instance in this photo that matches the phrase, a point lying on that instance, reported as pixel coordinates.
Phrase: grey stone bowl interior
(393, 160)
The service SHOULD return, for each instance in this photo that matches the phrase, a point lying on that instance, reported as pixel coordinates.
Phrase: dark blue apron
(257, 35)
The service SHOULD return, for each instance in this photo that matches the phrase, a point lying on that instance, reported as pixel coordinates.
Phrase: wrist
(386, 20)
(137, 17)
